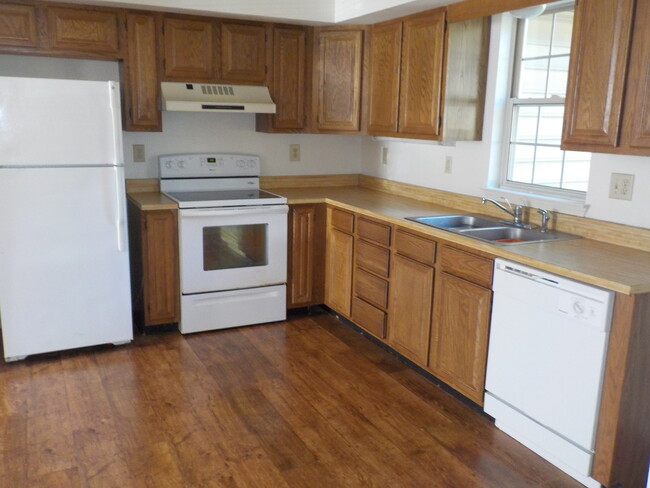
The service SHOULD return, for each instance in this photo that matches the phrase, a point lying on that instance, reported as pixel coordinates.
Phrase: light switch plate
(294, 152)
(620, 186)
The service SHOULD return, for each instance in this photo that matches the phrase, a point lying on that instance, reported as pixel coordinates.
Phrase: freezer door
(64, 274)
(59, 122)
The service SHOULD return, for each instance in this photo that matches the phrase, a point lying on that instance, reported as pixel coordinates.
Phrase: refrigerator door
(64, 273)
(59, 123)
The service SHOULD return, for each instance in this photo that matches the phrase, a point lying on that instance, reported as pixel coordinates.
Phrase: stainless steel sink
(490, 230)
(457, 222)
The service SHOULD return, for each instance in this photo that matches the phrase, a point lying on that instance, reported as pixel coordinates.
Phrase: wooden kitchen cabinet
(339, 76)
(288, 79)
(243, 53)
(306, 255)
(608, 95)
(153, 241)
(409, 62)
(339, 260)
(188, 49)
(139, 74)
(74, 30)
(461, 321)
(411, 296)
(371, 273)
(18, 26)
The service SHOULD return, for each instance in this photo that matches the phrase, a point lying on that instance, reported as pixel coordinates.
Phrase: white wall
(202, 132)
(472, 171)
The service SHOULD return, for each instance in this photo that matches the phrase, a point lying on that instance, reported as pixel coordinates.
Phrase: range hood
(209, 97)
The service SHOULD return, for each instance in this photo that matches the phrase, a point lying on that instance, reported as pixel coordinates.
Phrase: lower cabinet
(461, 321)
(153, 241)
(339, 258)
(306, 255)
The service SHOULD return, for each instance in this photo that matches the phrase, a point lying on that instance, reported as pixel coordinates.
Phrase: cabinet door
(288, 86)
(385, 52)
(338, 273)
(140, 83)
(188, 53)
(599, 55)
(243, 53)
(160, 267)
(18, 26)
(421, 76)
(340, 59)
(459, 335)
(84, 31)
(409, 317)
(636, 134)
(306, 257)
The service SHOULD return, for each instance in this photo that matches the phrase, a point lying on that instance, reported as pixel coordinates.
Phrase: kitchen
(419, 164)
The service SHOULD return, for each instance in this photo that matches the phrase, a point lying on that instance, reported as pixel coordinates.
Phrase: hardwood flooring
(303, 403)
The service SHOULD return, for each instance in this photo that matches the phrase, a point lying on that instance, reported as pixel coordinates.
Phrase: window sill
(555, 204)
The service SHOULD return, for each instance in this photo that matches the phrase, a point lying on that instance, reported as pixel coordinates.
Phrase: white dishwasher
(546, 358)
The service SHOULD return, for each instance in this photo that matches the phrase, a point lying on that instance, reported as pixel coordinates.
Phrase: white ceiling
(293, 11)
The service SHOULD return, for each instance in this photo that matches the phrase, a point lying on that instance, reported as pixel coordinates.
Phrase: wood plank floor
(303, 403)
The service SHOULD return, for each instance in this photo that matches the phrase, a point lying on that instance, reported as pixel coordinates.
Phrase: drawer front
(417, 248)
(372, 258)
(370, 318)
(373, 231)
(371, 288)
(341, 220)
(466, 265)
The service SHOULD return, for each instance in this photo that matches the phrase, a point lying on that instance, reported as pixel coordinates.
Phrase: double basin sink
(490, 230)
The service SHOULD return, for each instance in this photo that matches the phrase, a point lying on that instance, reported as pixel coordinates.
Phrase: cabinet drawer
(370, 318)
(417, 248)
(371, 288)
(373, 258)
(468, 266)
(373, 231)
(342, 220)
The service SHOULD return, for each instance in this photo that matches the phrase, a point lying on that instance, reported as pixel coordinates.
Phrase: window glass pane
(576, 170)
(522, 163)
(550, 124)
(532, 78)
(234, 246)
(525, 123)
(537, 37)
(562, 32)
(548, 166)
(557, 76)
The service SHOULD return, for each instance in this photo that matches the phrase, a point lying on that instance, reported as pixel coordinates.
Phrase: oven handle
(259, 210)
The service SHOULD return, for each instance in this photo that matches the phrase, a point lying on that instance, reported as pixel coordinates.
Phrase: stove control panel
(208, 165)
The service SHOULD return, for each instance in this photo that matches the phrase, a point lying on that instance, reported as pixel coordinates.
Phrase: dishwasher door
(546, 357)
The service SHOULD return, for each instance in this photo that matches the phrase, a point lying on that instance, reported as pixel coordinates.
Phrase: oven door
(232, 248)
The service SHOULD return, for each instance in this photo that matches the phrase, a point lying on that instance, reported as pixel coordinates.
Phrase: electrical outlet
(138, 153)
(620, 186)
(384, 155)
(448, 163)
(294, 152)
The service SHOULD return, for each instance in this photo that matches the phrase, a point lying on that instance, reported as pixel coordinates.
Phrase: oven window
(234, 246)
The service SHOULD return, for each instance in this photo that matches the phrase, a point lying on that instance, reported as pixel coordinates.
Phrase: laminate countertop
(610, 266)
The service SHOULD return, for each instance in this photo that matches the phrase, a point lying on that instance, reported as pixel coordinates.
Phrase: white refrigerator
(64, 264)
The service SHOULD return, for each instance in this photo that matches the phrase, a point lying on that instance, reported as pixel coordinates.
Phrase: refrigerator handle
(120, 202)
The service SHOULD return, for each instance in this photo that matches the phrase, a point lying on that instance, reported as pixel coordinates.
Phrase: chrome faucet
(545, 218)
(516, 211)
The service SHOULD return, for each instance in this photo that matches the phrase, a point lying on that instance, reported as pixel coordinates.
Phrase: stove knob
(180, 163)
(168, 164)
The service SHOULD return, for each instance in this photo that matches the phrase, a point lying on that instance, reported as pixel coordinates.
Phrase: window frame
(510, 107)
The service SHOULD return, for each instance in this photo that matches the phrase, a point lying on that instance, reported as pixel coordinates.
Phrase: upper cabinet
(243, 53)
(85, 31)
(287, 80)
(407, 77)
(188, 49)
(338, 79)
(18, 26)
(607, 105)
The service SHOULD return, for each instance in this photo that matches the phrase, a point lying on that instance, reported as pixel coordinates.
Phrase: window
(535, 162)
